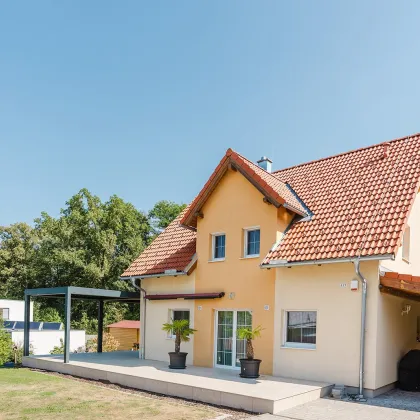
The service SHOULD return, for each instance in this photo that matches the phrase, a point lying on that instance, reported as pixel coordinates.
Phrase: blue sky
(142, 99)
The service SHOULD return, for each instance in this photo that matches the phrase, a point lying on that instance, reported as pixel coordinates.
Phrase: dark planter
(250, 368)
(177, 360)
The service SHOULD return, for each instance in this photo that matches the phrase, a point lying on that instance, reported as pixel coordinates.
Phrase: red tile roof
(173, 249)
(273, 188)
(125, 324)
(358, 204)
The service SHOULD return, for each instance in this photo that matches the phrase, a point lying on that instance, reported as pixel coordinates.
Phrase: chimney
(265, 163)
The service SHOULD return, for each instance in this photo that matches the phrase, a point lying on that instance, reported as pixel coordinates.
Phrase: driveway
(393, 405)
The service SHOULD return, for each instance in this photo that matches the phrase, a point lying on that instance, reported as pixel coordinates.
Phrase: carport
(69, 293)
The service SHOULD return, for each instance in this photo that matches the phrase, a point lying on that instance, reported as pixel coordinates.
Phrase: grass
(26, 394)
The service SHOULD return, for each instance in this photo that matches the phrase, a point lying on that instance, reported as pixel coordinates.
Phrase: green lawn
(26, 394)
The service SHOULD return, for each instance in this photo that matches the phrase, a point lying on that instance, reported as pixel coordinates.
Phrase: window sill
(292, 347)
(250, 257)
(218, 260)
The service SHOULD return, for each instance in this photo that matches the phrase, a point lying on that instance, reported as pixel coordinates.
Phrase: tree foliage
(58, 349)
(163, 213)
(182, 331)
(18, 244)
(249, 335)
(89, 244)
(5, 344)
(109, 343)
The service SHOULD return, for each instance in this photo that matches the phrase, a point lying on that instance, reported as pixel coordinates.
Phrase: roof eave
(146, 276)
(285, 263)
(295, 210)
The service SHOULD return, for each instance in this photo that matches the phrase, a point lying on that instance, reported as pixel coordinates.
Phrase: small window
(406, 245)
(5, 314)
(219, 246)
(300, 329)
(178, 315)
(252, 242)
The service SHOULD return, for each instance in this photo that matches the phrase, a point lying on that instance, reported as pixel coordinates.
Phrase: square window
(301, 329)
(5, 314)
(219, 246)
(252, 242)
(178, 315)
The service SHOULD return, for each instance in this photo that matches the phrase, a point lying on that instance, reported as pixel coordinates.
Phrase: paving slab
(329, 409)
(267, 394)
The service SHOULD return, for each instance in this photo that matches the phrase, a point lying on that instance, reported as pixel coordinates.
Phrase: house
(14, 310)
(126, 332)
(323, 255)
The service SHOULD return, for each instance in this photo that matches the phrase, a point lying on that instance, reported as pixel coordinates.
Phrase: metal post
(67, 311)
(26, 325)
(100, 325)
(142, 344)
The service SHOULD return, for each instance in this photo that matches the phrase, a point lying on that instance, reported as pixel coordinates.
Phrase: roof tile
(389, 184)
(359, 200)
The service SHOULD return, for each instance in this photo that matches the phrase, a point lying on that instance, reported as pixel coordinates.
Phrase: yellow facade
(233, 206)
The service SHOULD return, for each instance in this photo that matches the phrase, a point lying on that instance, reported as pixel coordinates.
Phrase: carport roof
(403, 285)
(85, 293)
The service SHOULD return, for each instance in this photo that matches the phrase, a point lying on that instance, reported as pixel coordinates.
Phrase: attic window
(406, 245)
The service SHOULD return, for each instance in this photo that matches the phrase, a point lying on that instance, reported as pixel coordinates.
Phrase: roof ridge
(255, 164)
(345, 153)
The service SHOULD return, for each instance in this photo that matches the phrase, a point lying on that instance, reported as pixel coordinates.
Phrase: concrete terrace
(223, 387)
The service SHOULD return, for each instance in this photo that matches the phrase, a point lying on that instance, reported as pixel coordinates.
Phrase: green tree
(162, 214)
(5, 344)
(91, 243)
(46, 313)
(18, 244)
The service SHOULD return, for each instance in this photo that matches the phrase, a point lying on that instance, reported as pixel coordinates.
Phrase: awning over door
(402, 285)
(186, 296)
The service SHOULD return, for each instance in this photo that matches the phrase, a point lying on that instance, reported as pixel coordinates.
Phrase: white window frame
(246, 230)
(171, 317)
(406, 243)
(213, 246)
(8, 314)
(292, 345)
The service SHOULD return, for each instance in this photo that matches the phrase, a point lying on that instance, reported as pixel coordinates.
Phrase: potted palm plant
(182, 331)
(250, 367)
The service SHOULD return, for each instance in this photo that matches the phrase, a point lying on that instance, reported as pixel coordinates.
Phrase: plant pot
(250, 368)
(177, 360)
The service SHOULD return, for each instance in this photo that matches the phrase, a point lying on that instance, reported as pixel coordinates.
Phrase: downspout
(363, 327)
(142, 344)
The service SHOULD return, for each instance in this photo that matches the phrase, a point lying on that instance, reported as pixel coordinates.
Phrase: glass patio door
(229, 348)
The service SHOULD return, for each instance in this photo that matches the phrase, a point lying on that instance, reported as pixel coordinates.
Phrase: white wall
(397, 335)
(16, 309)
(44, 341)
(157, 313)
(336, 357)
(413, 265)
